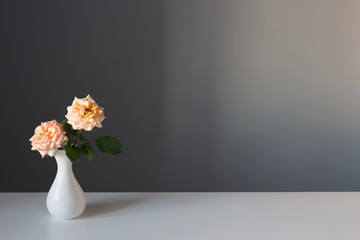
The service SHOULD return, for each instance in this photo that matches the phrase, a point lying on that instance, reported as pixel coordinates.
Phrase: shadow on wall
(54, 51)
(188, 114)
(205, 95)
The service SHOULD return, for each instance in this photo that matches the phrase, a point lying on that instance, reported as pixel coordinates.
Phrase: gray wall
(205, 95)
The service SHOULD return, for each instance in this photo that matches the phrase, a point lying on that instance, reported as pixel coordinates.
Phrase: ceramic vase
(66, 199)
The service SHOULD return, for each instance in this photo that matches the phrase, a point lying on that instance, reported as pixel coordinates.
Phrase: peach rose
(48, 138)
(85, 113)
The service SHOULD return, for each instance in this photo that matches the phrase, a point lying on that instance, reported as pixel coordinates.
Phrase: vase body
(66, 199)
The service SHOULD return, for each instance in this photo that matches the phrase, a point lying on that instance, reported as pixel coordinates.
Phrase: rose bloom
(85, 113)
(48, 137)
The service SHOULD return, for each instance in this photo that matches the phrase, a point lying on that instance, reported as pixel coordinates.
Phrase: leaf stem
(86, 143)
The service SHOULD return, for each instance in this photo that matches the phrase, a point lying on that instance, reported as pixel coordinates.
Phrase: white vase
(65, 199)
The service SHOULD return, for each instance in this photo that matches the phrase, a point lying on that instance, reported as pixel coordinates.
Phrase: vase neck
(62, 160)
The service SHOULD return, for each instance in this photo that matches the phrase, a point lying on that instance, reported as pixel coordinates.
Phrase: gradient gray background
(248, 95)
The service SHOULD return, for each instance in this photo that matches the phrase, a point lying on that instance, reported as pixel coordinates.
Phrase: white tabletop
(186, 216)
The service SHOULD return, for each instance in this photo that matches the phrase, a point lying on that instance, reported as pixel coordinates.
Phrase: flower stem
(77, 137)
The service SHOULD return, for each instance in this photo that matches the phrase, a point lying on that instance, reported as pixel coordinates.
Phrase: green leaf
(88, 151)
(73, 153)
(109, 145)
(68, 129)
(69, 132)
(82, 138)
(64, 121)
